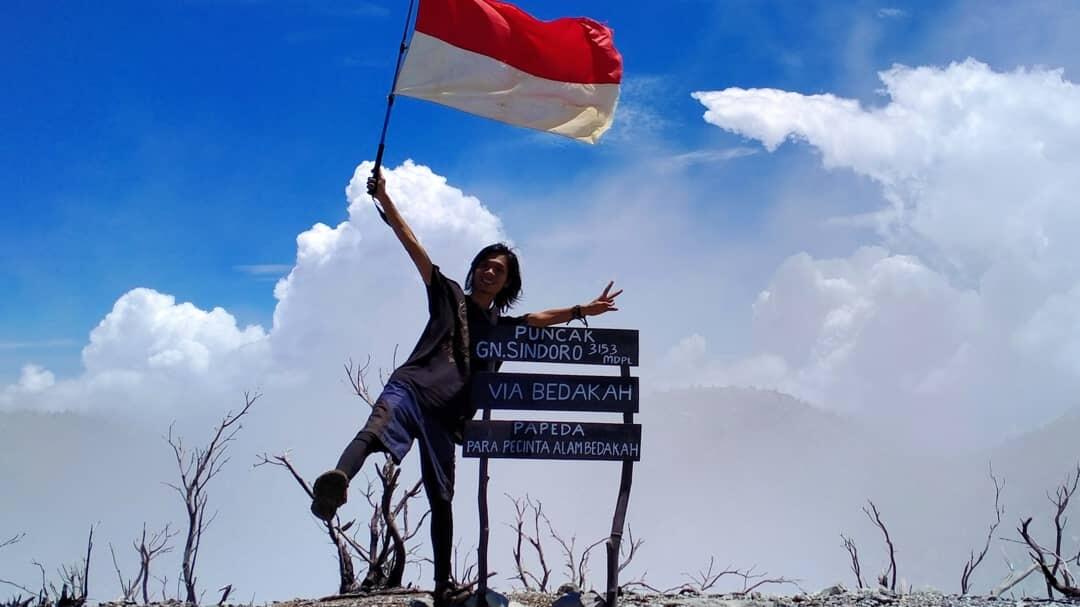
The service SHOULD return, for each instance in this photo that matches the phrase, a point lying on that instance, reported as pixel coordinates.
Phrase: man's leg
(437, 471)
(355, 454)
(331, 489)
(442, 538)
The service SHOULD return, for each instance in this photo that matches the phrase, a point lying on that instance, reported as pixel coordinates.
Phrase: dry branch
(853, 553)
(705, 579)
(13, 540)
(1066, 585)
(875, 517)
(973, 559)
(128, 587)
(197, 468)
(389, 530)
(629, 549)
(334, 529)
(752, 581)
(158, 544)
(522, 507)
(576, 567)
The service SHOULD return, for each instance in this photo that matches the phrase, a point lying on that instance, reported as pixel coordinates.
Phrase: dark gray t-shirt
(440, 366)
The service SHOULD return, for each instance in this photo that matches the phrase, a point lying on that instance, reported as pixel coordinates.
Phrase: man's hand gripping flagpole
(376, 171)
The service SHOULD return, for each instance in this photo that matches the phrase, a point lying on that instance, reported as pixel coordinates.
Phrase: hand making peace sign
(604, 303)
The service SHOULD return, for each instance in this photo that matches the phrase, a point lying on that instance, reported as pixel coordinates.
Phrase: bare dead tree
(629, 548)
(148, 550)
(336, 531)
(875, 517)
(752, 581)
(463, 569)
(522, 507)
(463, 574)
(128, 587)
(1066, 585)
(1013, 578)
(389, 532)
(197, 468)
(380, 553)
(853, 553)
(705, 579)
(973, 559)
(577, 567)
(75, 576)
(164, 581)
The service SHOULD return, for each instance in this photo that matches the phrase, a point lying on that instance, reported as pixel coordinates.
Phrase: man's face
(490, 275)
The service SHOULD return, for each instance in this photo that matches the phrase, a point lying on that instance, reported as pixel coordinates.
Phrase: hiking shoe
(331, 491)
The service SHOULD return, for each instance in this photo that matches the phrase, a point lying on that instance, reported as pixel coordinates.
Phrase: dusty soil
(845, 598)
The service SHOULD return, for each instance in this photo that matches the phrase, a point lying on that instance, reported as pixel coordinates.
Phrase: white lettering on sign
(597, 448)
(556, 334)
(506, 391)
(526, 447)
(481, 446)
(548, 429)
(610, 359)
(583, 391)
(512, 350)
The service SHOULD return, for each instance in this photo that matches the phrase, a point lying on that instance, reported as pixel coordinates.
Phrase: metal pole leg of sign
(482, 550)
(618, 522)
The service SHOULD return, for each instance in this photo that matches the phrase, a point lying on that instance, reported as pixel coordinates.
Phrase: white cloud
(352, 292)
(147, 330)
(32, 378)
(891, 13)
(264, 269)
(45, 343)
(704, 157)
(149, 352)
(974, 276)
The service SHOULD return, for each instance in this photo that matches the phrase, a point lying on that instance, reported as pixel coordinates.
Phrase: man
(427, 398)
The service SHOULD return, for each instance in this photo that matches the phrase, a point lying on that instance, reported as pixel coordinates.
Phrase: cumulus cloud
(350, 292)
(32, 378)
(353, 290)
(148, 349)
(974, 276)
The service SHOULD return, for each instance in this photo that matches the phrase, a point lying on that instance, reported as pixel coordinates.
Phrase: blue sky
(162, 144)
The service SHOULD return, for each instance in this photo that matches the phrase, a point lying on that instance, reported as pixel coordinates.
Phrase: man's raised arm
(377, 188)
(554, 316)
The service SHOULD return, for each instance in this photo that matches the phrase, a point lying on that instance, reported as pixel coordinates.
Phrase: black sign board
(535, 392)
(577, 345)
(552, 440)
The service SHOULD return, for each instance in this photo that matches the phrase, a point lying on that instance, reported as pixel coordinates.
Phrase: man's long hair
(510, 293)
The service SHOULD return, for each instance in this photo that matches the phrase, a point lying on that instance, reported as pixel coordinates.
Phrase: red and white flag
(491, 59)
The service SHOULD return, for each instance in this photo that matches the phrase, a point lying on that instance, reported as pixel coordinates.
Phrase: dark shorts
(397, 420)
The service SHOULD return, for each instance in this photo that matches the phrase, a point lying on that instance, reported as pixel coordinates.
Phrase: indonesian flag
(491, 59)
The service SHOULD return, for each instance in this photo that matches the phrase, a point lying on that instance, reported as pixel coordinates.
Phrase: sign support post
(485, 528)
(619, 520)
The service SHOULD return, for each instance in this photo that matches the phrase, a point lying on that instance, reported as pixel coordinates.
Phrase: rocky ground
(835, 596)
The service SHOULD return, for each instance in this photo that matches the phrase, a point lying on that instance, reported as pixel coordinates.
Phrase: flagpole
(404, 46)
